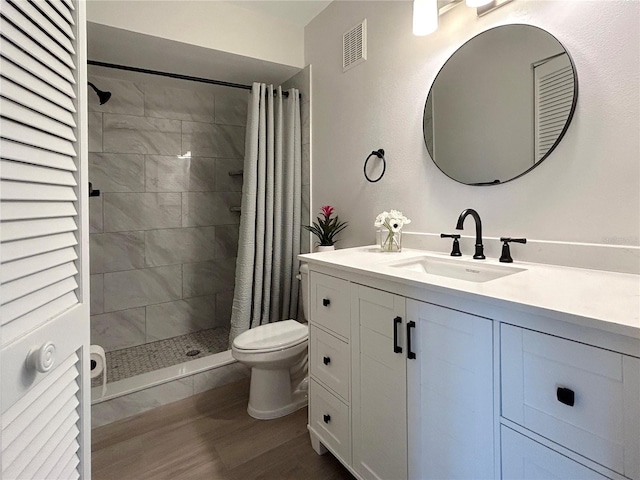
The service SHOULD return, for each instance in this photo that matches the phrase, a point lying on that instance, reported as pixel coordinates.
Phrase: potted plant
(326, 228)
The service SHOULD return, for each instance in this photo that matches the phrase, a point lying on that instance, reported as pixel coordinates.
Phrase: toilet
(277, 355)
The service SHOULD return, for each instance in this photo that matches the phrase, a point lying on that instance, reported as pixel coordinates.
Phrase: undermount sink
(459, 269)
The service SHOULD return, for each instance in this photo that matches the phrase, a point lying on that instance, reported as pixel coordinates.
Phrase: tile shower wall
(163, 238)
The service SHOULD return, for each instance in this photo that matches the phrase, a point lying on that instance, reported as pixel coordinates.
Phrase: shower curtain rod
(172, 75)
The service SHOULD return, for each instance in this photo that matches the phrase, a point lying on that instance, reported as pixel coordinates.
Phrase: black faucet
(479, 255)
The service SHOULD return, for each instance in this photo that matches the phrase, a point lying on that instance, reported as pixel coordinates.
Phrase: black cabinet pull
(326, 417)
(411, 355)
(566, 396)
(326, 360)
(326, 302)
(396, 323)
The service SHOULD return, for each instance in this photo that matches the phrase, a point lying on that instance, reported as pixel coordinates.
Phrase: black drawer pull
(396, 323)
(566, 396)
(326, 302)
(326, 417)
(411, 355)
(326, 360)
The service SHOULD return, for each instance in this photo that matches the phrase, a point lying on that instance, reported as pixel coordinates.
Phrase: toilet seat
(272, 337)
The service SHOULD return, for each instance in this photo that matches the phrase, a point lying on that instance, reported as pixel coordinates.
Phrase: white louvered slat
(20, 249)
(23, 172)
(13, 330)
(36, 299)
(22, 77)
(56, 381)
(33, 264)
(27, 154)
(70, 471)
(63, 455)
(51, 41)
(53, 454)
(35, 191)
(37, 138)
(69, 4)
(54, 17)
(36, 228)
(24, 286)
(22, 96)
(18, 113)
(33, 210)
(30, 265)
(19, 57)
(63, 10)
(42, 55)
(36, 435)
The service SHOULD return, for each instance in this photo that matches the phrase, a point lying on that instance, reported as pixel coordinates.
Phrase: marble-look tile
(306, 164)
(114, 172)
(138, 288)
(141, 211)
(208, 140)
(231, 110)
(179, 174)
(177, 103)
(305, 241)
(210, 208)
(305, 215)
(113, 252)
(95, 214)
(224, 304)
(117, 330)
(126, 97)
(138, 402)
(95, 131)
(171, 319)
(180, 245)
(217, 377)
(129, 134)
(224, 181)
(305, 123)
(96, 303)
(208, 278)
(227, 241)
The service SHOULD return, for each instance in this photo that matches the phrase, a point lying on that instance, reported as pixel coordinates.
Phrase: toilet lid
(272, 336)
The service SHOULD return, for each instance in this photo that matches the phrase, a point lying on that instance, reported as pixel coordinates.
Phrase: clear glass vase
(390, 241)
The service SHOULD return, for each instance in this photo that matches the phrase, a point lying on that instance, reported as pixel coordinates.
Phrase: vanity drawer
(525, 459)
(582, 397)
(329, 420)
(330, 303)
(330, 361)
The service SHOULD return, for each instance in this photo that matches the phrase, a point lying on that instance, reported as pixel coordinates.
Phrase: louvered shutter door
(554, 92)
(44, 398)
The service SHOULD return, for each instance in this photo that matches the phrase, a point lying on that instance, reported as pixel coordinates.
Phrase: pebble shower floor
(133, 361)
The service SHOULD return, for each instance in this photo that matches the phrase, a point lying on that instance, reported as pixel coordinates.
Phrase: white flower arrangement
(393, 221)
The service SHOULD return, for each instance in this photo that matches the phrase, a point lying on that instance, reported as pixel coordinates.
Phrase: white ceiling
(296, 12)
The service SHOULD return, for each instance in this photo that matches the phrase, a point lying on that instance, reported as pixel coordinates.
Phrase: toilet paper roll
(98, 361)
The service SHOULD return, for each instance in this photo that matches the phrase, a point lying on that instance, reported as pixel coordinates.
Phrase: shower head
(102, 96)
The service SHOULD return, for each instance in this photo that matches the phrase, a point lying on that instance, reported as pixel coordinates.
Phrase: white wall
(211, 24)
(588, 190)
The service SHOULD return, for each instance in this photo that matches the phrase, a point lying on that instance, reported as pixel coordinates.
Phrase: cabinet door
(450, 394)
(379, 385)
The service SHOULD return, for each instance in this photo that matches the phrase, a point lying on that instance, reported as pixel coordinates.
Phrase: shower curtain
(266, 288)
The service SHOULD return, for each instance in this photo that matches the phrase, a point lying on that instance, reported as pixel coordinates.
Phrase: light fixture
(478, 3)
(425, 17)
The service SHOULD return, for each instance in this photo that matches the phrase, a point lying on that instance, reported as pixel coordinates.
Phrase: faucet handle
(506, 251)
(455, 251)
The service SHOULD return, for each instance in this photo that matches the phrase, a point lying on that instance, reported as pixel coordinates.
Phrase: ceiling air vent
(354, 46)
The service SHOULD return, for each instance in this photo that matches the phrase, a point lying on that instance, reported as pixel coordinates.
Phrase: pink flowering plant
(326, 227)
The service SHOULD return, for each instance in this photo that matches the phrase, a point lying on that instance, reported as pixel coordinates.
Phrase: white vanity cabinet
(413, 381)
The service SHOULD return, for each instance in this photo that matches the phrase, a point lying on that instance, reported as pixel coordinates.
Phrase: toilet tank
(304, 284)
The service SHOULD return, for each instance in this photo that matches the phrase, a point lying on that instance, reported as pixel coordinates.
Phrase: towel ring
(380, 154)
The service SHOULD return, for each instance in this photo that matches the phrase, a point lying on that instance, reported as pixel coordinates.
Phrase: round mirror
(500, 105)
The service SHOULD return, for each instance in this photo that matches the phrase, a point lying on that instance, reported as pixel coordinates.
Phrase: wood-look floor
(210, 436)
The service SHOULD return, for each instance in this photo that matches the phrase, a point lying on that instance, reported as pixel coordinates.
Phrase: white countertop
(610, 301)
